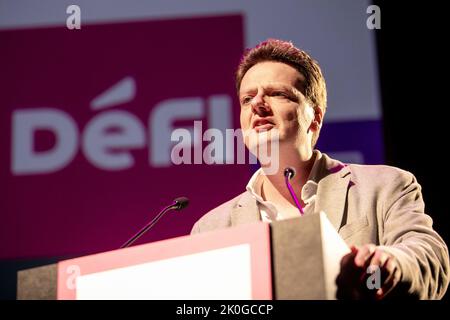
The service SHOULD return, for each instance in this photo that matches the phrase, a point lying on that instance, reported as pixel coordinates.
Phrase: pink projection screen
(86, 119)
(87, 116)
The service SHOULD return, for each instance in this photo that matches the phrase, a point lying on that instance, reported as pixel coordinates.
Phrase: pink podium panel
(234, 263)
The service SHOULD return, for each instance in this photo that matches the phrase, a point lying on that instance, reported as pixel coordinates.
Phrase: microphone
(289, 173)
(178, 204)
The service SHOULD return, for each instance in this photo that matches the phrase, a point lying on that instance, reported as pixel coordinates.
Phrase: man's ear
(318, 118)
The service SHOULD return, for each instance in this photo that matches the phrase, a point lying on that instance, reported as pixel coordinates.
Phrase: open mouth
(262, 125)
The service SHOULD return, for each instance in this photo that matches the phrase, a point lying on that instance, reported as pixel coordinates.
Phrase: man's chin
(271, 134)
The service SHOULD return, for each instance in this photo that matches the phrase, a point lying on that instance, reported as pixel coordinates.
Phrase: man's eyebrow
(279, 87)
(248, 91)
(289, 89)
(270, 87)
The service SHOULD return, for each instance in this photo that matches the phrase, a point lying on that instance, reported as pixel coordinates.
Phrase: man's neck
(274, 185)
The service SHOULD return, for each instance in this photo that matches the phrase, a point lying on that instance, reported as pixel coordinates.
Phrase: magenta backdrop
(80, 208)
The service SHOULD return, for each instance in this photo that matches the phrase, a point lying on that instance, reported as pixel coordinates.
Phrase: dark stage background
(412, 63)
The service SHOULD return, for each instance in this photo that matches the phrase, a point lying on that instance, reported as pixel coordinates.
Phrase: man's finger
(379, 258)
(363, 254)
(364, 275)
(391, 281)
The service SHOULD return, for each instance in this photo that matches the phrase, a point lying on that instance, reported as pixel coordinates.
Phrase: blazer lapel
(246, 211)
(332, 190)
(331, 195)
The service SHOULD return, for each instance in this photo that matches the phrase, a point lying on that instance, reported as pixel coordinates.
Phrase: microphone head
(289, 172)
(181, 203)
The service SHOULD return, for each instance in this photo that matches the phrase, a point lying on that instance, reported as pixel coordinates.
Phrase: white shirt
(268, 210)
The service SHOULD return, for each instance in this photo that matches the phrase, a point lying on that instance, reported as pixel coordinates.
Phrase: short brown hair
(283, 51)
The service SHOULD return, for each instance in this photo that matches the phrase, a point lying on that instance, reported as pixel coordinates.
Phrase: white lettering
(184, 146)
(374, 20)
(160, 123)
(74, 20)
(25, 160)
(74, 272)
(213, 153)
(101, 147)
(374, 280)
(108, 138)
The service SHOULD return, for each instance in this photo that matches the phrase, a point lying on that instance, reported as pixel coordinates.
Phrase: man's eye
(279, 94)
(246, 100)
(285, 95)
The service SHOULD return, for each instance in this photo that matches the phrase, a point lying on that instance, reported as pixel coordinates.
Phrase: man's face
(271, 98)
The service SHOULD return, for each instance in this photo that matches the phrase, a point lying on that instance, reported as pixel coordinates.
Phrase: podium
(297, 258)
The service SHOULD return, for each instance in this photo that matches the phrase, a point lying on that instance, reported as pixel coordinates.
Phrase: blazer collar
(332, 190)
(245, 211)
(334, 180)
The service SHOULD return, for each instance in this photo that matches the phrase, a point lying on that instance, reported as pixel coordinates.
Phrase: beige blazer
(366, 204)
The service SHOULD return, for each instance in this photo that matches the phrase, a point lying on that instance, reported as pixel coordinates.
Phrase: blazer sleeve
(409, 236)
(196, 228)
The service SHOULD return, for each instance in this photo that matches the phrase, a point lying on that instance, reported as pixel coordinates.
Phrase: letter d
(24, 159)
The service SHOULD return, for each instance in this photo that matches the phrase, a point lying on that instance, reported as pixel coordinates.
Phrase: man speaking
(378, 210)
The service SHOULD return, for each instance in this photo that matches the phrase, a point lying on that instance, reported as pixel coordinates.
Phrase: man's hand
(352, 280)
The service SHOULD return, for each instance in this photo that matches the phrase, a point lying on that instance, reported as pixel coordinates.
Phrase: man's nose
(259, 105)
